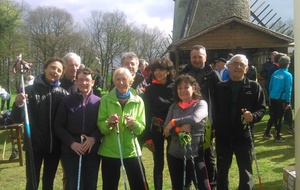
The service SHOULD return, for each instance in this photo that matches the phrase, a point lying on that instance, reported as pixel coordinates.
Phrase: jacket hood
(40, 80)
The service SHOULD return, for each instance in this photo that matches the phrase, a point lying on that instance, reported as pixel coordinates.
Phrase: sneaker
(267, 136)
(291, 130)
(279, 139)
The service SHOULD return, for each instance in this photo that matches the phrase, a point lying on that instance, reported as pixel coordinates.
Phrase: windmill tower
(195, 15)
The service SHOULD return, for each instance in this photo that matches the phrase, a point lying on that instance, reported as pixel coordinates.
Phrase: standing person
(187, 115)
(207, 79)
(72, 64)
(77, 116)
(222, 69)
(238, 100)
(98, 86)
(280, 89)
(43, 98)
(120, 132)
(5, 97)
(142, 70)
(158, 98)
(252, 72)
(266, 70)
(131, 62)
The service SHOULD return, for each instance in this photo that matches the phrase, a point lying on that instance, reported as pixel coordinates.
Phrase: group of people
(279, 86)
(69, 123)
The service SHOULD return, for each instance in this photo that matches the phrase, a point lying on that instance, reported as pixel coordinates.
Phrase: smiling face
(53, 71)
(84, 83)
(161, 75)
(72, 66)
(122, 79)
(198, 58)
(131, 64)
(237, 68)
(185, 92)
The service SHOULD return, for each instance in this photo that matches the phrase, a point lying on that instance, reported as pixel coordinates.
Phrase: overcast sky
(154, 13)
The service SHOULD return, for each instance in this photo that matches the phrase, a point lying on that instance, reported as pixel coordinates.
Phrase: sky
(153, 13)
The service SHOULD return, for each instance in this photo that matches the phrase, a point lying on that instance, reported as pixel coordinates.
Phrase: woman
(77, 117)
(185, 123)
(158, 98)
(121, 118)
(43, 98)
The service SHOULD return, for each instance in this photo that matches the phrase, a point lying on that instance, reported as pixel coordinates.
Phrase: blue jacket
(73, 119)
(281, 84)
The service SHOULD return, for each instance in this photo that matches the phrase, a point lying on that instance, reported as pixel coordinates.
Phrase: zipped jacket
(135, 108)
(281, 84)
(250, 97)
(42, 103)
(74, 119)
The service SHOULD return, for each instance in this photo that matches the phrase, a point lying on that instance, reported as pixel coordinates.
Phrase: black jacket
(250, 97)
(42, 103)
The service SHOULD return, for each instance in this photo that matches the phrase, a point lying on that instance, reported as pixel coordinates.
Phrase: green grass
(271, 156)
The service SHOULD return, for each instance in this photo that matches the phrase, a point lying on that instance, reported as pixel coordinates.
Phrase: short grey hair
(129, 55)
(73, 56)
(241, 56)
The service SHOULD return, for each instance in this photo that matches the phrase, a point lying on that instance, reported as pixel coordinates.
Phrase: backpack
(5, 118)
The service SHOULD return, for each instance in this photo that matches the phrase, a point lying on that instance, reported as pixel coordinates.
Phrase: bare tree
(150, 42)
(49, 31)
(109, 35)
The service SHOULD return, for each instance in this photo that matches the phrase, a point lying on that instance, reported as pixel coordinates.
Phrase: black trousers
(277, 110)
(111, 173)
(242, 148)
(176, 170)
(89, 170)
(3, 104)
(158, 156)
(50, 161)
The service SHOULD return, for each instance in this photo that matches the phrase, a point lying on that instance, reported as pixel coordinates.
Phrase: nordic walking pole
(184, 167)
(254, 155)
(79, 165)
(253, 151)
(137, 153)
(27, 124)
(194, 168)
(140, 161)
(121, 155)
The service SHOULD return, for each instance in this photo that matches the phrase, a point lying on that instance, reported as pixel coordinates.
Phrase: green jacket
(110, 105)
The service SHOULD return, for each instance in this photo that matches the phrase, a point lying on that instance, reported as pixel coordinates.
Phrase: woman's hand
(112, 120)
(167, 129)
(186, 128)
(88, 143)
(20, 99)
(129, 122)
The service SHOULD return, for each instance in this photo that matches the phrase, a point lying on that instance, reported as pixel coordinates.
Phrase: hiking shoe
(279, 139)
(291, 130)
(267, 136)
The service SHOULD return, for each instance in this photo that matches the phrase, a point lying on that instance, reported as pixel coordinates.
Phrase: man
(240, 102)
(222, 69)
(207, 79)
(267, 68)
(72, 64)
(130, 61)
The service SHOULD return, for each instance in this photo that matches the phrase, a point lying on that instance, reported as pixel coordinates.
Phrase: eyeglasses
(236, 64)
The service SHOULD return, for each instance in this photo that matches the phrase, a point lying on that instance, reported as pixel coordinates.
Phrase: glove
(185, 138)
